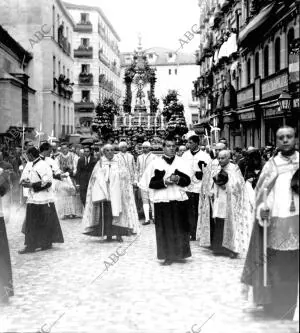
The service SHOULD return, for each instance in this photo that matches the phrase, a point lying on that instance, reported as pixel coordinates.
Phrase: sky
(161, 22)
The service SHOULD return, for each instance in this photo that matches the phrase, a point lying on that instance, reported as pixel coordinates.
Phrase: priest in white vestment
(110, 207)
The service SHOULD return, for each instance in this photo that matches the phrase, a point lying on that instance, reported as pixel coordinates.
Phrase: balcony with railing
(83, 51)
(85, 105)
(64, 44)
(103, 58)
(86, 79)
(63, 87)
(84, 27)
(106, 84)
(102, 33)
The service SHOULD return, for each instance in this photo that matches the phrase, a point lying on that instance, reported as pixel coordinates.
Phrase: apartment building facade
(249, 63)
(96, 63)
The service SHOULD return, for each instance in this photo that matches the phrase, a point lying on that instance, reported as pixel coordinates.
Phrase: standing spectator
(237, 154)
(181, 150)
(69, 207)
(85, 168)
(224, 141)
(253, 167)
(55, 153)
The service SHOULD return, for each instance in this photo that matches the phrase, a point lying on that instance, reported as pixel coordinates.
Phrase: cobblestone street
(72, 288)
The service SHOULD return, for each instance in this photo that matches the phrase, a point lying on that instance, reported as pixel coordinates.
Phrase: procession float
(140, 118)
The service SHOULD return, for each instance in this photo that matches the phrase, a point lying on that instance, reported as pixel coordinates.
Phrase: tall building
(44, 28)
(17, 98)
(96, 62)
(249, 61)
(173, 72)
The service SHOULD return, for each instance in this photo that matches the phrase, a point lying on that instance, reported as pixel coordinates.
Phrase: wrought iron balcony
(85, 79)
(84, 106)
(103, 59)
(84, 27)
(83, 52)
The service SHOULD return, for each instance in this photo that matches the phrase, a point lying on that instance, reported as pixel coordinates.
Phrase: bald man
(110, 208)
(227, 196)
(181, 150)
(277, 210)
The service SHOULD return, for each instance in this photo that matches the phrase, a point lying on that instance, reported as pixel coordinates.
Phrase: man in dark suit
(85, 167)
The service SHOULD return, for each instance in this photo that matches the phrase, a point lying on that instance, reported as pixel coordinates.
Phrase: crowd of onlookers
(248, 159)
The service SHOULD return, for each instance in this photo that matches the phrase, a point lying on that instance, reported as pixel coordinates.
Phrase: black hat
(221, 178)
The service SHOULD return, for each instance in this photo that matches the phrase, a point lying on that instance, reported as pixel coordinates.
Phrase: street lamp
(285, 101)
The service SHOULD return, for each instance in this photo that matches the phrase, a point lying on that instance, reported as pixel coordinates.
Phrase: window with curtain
(256, 64)
(290, 38)
(277, 54)
(249, 71)
(266, 61)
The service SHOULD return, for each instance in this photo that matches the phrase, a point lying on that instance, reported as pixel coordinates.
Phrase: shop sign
(245, 96)
(273, 112)
(247, 116)
(274, 85)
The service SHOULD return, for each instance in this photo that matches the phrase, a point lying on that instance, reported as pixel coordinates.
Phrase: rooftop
(15, 48)
(163, 58)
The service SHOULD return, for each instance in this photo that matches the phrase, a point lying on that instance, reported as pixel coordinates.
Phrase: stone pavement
(76, 288)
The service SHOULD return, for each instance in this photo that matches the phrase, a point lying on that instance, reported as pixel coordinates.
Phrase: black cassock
(84, 172)
(171, 222)
(6, 284)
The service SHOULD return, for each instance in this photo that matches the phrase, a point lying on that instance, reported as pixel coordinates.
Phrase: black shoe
(47, 247)
(120, 239)
(26, 250)
(109, 239)
(167, 262)
(146, 223)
